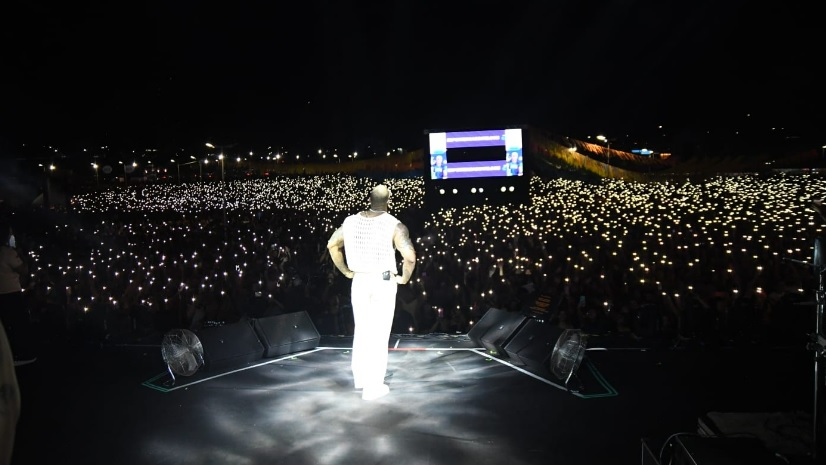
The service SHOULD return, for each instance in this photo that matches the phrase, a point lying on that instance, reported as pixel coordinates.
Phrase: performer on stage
(364, 249)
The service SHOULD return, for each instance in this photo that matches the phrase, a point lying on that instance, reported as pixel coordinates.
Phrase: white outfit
(369, 251)
(374, 302)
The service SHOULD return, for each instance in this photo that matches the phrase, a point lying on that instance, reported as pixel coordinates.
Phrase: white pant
(374, 303)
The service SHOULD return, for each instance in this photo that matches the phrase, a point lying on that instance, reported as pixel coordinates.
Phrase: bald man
(364, 250)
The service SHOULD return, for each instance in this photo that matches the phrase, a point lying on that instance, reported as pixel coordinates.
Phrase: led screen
(476, 154)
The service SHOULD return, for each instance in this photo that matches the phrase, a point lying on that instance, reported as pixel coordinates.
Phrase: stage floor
(450, 403)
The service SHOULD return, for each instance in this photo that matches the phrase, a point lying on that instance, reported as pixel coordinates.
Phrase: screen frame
(440, 145)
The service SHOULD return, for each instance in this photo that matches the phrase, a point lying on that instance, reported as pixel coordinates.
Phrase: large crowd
(718, 260)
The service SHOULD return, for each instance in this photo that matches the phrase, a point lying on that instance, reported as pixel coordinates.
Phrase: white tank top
(368, 243)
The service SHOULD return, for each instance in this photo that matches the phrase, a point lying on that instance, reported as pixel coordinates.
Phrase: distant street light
(221, 157)
(608, 144)
(47, 184)
(179, 165)
(127, 170)
(223, 182)
(223, 195)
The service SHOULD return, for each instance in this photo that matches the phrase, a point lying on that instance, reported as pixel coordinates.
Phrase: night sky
(334, 74)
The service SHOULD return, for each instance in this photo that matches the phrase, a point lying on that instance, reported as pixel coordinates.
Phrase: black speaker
(287, 333)
(495, 329)
(230, 346)
(533, 345)
(490, 318)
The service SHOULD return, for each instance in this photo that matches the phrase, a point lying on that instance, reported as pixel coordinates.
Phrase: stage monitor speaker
(495, 329)
(533, 345)
(230, 346)
(287, 333)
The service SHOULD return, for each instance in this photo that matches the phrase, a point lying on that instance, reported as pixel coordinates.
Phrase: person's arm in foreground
(336, 247)
(402, 242)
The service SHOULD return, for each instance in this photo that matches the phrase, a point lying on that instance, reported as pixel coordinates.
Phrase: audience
(714, 261)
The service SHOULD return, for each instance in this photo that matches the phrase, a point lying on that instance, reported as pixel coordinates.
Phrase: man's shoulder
(10, 256)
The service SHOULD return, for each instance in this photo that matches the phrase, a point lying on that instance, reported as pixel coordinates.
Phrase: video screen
(476, 154)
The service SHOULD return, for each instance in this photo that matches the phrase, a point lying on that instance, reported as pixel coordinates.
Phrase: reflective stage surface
(450, 402)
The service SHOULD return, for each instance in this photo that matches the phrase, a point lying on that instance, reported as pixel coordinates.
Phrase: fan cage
(182, 352)
(568, 353)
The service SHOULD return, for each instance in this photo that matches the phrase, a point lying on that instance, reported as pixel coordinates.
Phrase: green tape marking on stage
(609, 390)
(596, 378)
(200, 377)
(163, 382)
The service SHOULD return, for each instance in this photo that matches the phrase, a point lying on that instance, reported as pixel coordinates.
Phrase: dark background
(316, 73)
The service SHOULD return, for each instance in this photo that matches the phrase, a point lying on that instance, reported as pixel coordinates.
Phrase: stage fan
(182, 351)
(567, 354)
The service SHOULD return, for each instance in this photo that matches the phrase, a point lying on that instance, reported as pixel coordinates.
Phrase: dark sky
(331, 73)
